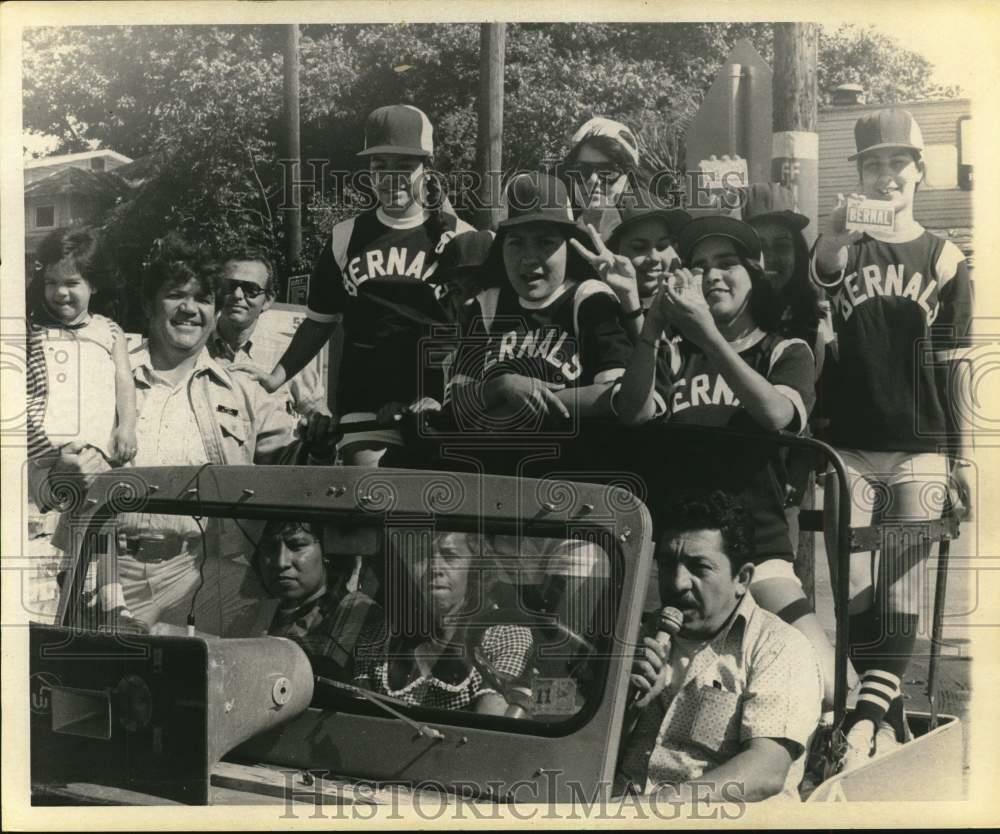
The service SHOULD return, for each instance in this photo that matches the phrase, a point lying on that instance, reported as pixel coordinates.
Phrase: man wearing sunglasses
(247, 291)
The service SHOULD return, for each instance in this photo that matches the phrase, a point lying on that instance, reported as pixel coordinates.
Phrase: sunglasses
(250, 289)
(602, 170)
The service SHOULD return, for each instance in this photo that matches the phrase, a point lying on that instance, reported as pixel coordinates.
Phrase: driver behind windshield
(437, 648)
(318, 609)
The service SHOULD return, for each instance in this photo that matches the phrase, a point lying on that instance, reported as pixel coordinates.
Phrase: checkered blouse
(456, 683)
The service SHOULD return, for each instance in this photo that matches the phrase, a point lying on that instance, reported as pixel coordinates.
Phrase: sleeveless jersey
(901, 311)
(693, 392)
(574, 339)
(367, 256)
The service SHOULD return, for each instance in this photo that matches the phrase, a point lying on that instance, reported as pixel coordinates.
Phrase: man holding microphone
(723, 710)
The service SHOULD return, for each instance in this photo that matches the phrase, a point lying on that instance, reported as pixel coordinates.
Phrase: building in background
(68, 190)
(944, 201)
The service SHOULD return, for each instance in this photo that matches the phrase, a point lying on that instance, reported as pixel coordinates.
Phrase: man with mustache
(244, 334)
(727, 708)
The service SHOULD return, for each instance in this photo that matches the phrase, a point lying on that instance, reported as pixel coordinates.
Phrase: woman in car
(318, 609)
(437, 647)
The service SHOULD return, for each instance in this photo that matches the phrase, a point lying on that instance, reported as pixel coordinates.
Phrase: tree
(199, 106)
(889, 73)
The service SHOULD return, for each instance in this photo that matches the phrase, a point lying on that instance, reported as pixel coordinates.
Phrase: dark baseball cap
(700, 228)
(533, 197)
(398, 129)
(638, 206)
(773, 201)
(891, 127)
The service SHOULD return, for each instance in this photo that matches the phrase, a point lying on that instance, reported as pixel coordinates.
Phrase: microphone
(670, 622)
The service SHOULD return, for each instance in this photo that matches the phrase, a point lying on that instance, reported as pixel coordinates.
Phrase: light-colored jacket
(238, 421)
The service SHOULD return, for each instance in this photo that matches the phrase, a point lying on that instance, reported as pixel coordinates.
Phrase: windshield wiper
(380, 702)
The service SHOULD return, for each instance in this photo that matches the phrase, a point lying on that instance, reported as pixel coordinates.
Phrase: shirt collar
(748, 341)
(142, 366)
(733, 631)
(220, 347)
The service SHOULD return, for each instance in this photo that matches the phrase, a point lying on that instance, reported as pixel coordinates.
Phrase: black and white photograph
(477, 416)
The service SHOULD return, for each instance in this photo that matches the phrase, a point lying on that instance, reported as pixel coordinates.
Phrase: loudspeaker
(154, 714)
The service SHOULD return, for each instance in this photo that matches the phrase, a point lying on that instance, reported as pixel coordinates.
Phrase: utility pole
(795, 164)
(293, 152)
(795, 146)
(489, 143)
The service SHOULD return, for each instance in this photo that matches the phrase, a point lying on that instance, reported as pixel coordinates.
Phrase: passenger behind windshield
(319, 609)
(438, 647)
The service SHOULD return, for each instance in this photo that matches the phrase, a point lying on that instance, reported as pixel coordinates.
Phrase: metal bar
(940, 589)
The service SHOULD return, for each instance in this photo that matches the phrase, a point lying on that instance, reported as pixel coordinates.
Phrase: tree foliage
(200, 107)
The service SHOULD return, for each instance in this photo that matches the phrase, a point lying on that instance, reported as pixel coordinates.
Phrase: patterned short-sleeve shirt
(758, 678)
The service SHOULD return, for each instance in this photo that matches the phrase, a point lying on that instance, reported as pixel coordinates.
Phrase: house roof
(77, 181)
(76, 157)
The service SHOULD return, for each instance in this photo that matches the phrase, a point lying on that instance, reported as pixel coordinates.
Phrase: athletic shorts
(870, 474)
(774, 569)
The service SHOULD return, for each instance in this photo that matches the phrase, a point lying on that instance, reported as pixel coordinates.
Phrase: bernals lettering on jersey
(701, 392)
(870, 281)
(545, 344)
(395, 263)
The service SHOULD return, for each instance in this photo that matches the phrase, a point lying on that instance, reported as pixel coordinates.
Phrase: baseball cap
(638, 206)
(700, 228)
(891, 127)
(774, 201)
(532, 197)
(399, 129)
(601, 126)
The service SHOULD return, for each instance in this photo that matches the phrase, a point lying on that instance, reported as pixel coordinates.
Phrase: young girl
(902, 306)
(786, 263)
(729, 367)
(547, 344)
(80, 390)
(387, 253)
(638, 253)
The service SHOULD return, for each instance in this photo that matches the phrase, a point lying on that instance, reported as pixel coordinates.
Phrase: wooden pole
(795, 164)
(795, 146)
(489, 143)
(293, 153)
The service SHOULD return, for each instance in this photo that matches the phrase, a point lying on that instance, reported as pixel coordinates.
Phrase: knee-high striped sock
(878, 690)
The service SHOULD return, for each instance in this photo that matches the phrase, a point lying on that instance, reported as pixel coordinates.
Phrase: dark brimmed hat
(398, 129)
(533, 198)
(641, 205)
(891, 127)
(773, 201)
(743, 234)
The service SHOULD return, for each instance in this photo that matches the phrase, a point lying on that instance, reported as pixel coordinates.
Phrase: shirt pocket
(234, 428)
(716, 723)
